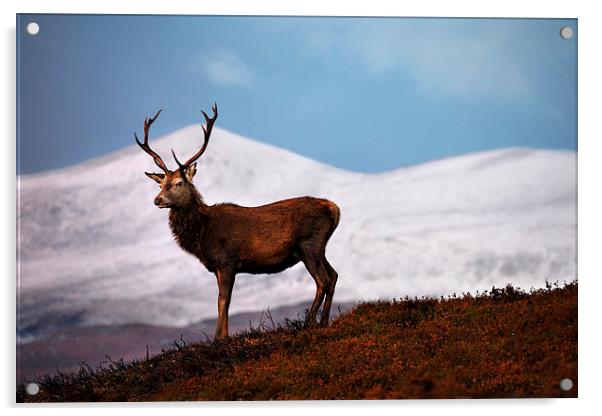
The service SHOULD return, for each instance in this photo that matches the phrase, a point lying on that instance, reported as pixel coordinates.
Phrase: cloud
(441, 57)
(224, 68)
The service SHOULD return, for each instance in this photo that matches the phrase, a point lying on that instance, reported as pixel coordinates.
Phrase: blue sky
(364, 94)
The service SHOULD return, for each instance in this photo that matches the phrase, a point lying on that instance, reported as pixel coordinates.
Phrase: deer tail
(335, 214)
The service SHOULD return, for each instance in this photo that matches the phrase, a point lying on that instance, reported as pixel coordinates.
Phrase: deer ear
(191, 171)
(157, 177)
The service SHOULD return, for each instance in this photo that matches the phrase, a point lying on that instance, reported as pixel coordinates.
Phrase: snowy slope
(94, 250)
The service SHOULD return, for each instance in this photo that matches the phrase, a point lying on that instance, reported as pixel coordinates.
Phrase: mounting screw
(566, 32)
(32, 389)
(33, 28)
(566, 384)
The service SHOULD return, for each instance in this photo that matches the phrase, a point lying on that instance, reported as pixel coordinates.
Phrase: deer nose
(159, 200)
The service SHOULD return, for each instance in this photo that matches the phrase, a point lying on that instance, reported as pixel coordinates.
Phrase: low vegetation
(502, 343)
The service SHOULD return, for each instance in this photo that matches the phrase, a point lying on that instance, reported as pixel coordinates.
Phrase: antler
(147, 123)
(207, 132)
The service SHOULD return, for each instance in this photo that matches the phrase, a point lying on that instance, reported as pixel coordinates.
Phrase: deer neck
(188, 222)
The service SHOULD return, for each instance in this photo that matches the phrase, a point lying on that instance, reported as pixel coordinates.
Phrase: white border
(590, 190)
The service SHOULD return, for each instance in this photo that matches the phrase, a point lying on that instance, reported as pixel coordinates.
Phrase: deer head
(177, 189)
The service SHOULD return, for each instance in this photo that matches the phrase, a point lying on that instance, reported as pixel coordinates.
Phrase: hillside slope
(93, 250)
(506, 343)
(67, 349)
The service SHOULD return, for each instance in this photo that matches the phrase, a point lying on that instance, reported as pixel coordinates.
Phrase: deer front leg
(225, 283)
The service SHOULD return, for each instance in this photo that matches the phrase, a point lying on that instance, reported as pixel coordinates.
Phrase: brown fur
(230, 239)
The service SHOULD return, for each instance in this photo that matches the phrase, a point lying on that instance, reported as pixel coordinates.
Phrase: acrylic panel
(355, 208)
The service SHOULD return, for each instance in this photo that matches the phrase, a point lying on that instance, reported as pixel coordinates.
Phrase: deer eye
(178, 183)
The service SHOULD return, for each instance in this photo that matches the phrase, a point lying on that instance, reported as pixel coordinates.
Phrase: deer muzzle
(160, 202)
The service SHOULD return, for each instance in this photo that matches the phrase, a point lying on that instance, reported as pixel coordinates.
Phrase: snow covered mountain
(94, 250)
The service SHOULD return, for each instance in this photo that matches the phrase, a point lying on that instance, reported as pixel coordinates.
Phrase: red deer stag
(230, 239)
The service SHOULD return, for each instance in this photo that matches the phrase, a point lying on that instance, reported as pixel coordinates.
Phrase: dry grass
(504, 343)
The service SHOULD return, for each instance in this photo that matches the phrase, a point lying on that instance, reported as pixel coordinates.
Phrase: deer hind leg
(333, 276)
(225, 283)
(318, 272)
